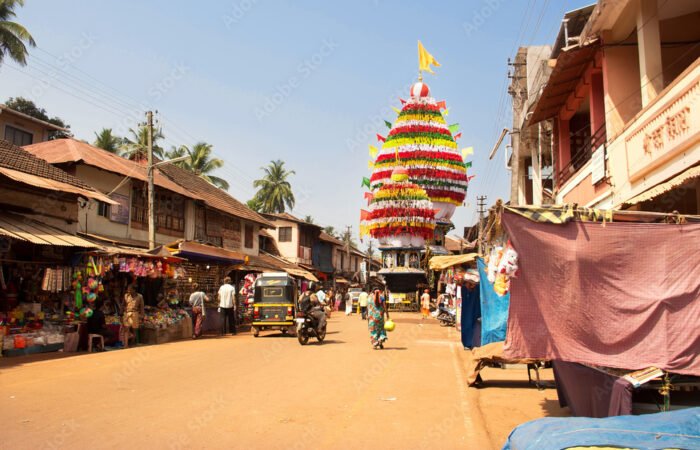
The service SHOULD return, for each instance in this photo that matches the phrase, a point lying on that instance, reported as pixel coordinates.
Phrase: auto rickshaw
(274, 303)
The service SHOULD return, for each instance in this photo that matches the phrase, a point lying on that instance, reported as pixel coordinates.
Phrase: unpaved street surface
(269, 392)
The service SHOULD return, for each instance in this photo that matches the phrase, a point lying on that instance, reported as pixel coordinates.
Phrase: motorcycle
(446, 316)
(305, 329)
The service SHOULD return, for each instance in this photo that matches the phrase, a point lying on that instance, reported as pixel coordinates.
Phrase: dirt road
(266, 392)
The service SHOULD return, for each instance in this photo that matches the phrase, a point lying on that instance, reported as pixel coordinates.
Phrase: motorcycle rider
(311, 307)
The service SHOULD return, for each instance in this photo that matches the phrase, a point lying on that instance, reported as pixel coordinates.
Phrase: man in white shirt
(227, 310)
(321, 297)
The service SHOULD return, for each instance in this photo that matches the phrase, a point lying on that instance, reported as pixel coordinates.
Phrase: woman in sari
(376, 310)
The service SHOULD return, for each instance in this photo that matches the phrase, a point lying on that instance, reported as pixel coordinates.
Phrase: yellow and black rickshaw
(274, 303)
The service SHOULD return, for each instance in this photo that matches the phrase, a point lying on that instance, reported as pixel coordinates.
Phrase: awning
(570, 65)
(30, 230)
(194, 251)
(659, 189)
(341, 280)
(52, 185)
(443, 262)
(301, 273)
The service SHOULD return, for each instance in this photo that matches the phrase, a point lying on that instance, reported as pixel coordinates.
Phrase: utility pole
(481, 201)
(348, 237)
(151, 189)
(368, 267)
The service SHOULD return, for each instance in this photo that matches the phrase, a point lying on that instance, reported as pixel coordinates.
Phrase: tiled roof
(288, 217)
(14, 157)
(62, 151)
(211, 195)
(172, 178)
(332, 239)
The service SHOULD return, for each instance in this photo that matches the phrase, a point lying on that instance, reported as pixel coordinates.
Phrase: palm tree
(254, 204)
(330, 230)
(200, 162)
(274, 191)
(136, 147)
(108, 141)
(13, 35)
(309, 219)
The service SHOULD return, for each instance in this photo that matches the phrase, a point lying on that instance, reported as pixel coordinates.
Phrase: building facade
(622, 101)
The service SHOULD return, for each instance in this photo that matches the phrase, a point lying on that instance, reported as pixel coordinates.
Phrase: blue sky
(308, 82)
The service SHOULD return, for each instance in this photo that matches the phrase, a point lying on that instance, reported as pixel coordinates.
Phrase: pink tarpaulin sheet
(621, 295)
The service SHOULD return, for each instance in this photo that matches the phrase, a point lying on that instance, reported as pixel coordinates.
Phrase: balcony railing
(582, 153)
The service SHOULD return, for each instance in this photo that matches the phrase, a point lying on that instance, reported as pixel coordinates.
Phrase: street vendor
(133, 314)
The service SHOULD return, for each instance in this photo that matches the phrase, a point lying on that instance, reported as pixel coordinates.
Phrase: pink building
(619, 109)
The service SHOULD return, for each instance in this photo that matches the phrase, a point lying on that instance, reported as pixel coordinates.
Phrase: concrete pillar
(649, 47)
(564, 139)
(535, 152)
(516, 165)
(597, 104)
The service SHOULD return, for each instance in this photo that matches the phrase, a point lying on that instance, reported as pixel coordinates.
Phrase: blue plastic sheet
(676, 429)
(494, 309)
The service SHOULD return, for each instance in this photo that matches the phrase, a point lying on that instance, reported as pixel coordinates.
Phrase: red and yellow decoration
(400, 209)
(421, 142)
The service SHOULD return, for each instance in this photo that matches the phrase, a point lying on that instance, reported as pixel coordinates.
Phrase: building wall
(623, 98)
(288, 250)
(52, 208)
(39, 132)
(661, 143)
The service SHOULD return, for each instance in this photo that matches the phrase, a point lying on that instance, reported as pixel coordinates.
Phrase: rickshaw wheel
(256, 332)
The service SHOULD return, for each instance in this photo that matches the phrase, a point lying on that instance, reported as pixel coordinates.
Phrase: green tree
(107, 141)
(346, 237)
(28, 107)
(309, 219)
(200, 162)
(254, 204)
(330, 230)
(274, 191)
(136, 146)
(13, 36)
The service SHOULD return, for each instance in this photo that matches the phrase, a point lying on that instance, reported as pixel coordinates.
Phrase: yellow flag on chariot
(425, 59)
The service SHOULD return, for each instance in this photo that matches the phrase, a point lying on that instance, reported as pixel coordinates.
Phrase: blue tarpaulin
(676, 429)
(494, 309)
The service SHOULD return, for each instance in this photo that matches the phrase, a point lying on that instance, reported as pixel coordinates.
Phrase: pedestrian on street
(197, 299)
(348, 303)
(338, 299)
(364, 299)
(133, 315)
(376, 310)
(425, 304)
(227, 296)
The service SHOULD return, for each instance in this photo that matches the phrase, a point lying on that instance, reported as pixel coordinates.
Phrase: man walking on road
(364, 297)
(227, 310)
(197, 299)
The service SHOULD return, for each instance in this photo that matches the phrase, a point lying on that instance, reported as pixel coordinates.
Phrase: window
(102, 209)
(285, 234)
(170, 209)
(17, 136)
(248, 236)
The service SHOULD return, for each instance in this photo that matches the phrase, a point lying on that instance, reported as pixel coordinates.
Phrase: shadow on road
(395, 348)
(328, 342)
